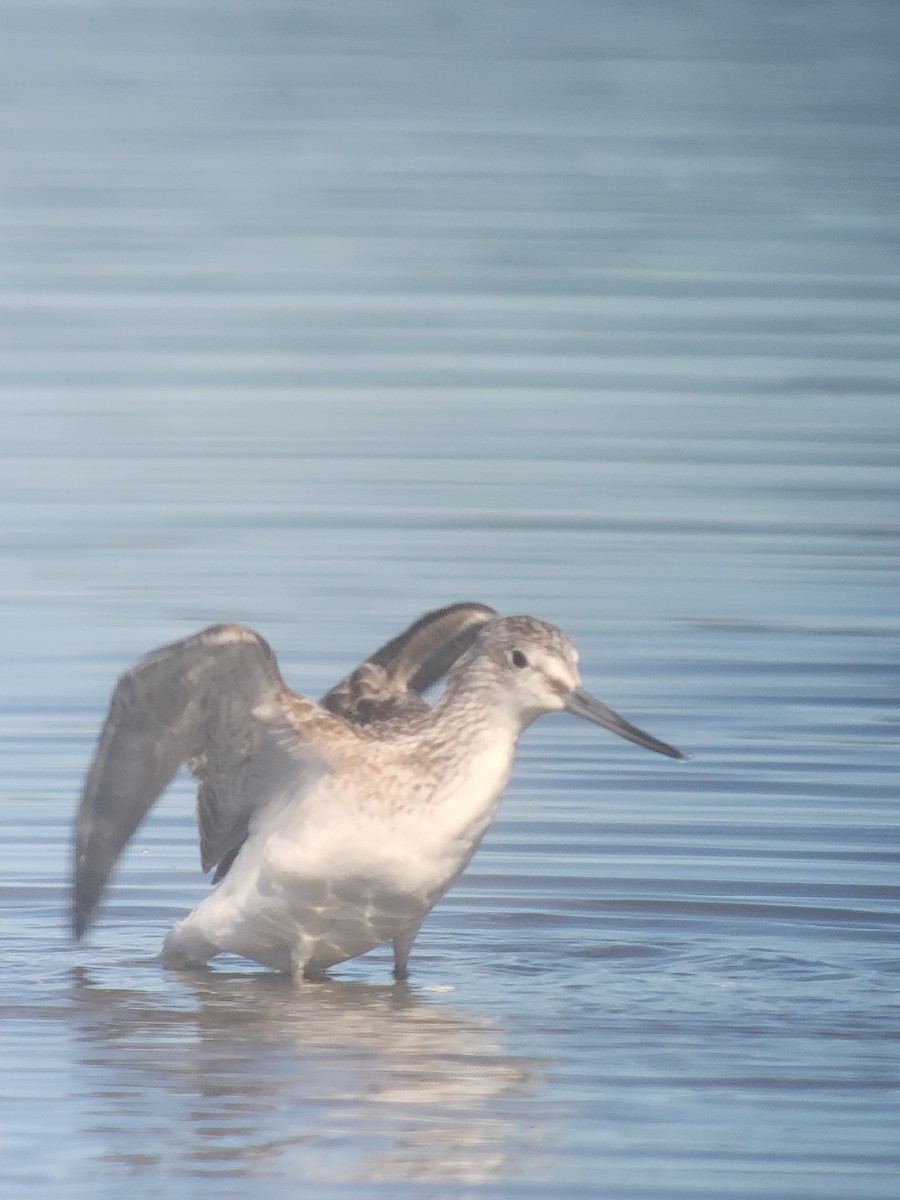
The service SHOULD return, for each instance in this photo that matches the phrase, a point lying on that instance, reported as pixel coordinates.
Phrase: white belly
(325, 879)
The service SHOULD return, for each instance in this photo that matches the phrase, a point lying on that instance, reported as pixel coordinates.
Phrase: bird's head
(536, 665)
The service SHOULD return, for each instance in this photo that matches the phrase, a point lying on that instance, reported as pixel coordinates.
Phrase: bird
(331, 827)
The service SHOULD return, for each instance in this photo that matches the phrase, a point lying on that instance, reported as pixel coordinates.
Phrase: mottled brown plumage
(191, 702)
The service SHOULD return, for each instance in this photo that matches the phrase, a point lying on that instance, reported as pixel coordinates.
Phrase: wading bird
(332, 827)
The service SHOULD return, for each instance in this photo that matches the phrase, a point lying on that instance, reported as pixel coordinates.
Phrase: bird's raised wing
(391, 681)
(201, 701)
(192, 701)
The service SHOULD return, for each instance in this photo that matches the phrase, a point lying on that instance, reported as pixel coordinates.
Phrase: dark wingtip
(416, 659)
(80, 920)
(87, 888)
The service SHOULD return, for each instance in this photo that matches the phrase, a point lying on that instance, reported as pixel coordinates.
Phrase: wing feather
(191, 701)
(391, 681)
(212, 701)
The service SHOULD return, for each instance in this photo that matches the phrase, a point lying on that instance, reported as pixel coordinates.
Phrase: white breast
(330, 876)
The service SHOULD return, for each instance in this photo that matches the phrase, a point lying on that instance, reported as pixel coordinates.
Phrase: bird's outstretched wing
(391, 681)
(192, 701)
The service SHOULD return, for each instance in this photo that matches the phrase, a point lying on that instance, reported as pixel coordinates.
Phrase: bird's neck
(471, 736)
(475, 692)
(474, 716)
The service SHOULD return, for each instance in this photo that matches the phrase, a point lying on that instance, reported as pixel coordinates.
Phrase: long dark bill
(582, 704)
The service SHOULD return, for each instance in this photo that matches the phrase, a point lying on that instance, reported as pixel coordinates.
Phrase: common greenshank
(332, 827)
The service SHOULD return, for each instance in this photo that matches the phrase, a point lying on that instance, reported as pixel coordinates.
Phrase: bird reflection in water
(244, 1075)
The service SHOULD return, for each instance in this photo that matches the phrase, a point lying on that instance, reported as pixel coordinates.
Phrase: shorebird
(331, 827)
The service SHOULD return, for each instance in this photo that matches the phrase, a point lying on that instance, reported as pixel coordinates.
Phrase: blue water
(317, 316)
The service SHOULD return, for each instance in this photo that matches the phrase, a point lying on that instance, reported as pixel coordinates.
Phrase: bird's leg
(402, 945)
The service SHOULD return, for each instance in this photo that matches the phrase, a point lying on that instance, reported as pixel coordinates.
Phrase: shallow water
(319, 317)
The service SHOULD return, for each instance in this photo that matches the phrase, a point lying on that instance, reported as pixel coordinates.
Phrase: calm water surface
(316, 316)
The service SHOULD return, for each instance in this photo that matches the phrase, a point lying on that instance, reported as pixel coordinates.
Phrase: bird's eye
(518, 659)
